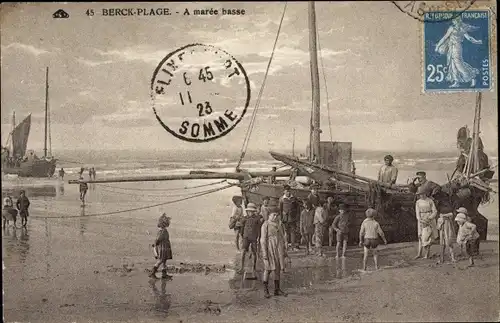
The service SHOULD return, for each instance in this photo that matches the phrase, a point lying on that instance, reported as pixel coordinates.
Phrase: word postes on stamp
(200, 93)
(417, 9)
(457, 52)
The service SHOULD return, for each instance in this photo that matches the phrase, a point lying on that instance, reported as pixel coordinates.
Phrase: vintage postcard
(250, 161)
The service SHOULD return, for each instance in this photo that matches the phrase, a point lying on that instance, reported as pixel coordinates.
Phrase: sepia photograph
(302, 161)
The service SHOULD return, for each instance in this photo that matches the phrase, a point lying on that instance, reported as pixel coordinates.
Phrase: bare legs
(344, 247)
(237, 239)
(450, 249)
(365, 257)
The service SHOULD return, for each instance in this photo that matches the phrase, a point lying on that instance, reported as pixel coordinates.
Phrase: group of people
(10, 213)
(437, 222)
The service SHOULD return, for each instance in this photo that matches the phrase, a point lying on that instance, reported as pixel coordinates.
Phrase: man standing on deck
(288, 209)
(429, 188)
(251, 232)
(388, 173)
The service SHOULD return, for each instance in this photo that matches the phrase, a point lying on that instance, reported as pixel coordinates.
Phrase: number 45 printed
(457, 52)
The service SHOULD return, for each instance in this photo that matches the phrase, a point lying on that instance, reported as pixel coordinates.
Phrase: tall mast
(293, 143)
(46, 109)
(313, 53)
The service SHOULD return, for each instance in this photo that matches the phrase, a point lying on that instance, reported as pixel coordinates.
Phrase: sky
(101, 69)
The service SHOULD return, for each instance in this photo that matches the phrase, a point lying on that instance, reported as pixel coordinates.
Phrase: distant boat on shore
(16, 159)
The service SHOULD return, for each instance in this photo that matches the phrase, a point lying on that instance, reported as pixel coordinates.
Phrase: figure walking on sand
(83, 190)
(369, 237)
(162, 247)
(273, 253)
(61, 173)
(447, 236)
(426, 214)
(458, 71)
(22, 204)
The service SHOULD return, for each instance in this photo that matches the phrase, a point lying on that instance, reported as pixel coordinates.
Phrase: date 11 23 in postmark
(200, 93)
(457, 51)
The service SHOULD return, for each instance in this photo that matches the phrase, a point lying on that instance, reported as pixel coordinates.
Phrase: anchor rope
(251, 125)
(137, 208)
(160, 189)
(145, 195)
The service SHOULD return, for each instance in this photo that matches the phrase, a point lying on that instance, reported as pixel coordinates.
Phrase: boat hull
(32, 168)
(396, 216)
(397, 220)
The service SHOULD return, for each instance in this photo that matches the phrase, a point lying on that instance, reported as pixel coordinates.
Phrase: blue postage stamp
(457, 51)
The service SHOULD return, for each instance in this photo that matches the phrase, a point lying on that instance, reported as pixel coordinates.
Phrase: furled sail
(20, 136)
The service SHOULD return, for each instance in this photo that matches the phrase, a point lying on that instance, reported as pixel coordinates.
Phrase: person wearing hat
(236, 218)
(388, 173)
(429, 187)
(288, 205)
(426, 213)
(341, 225)
(162, 247)
(251, 228)
(468, 236)
(272, 241)
(369, 234)
(22, 204)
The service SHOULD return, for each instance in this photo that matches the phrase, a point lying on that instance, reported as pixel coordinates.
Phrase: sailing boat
(16, 159)
(329, 164)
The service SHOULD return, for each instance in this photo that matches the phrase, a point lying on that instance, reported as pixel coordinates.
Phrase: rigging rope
(246, 140)
(160, 189)
(326, 92)
(137, 208)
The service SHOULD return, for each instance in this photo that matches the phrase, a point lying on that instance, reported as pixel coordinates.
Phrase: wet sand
(94, 269)
(320, 289)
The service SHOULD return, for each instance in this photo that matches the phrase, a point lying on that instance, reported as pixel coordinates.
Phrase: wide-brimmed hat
(388, 157)
(370, 213)
(461, 217)
(462, 210)
(421, 173)
(251, 207)
(6, 201)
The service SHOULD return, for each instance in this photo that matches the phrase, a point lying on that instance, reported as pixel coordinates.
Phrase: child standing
(319, 220)
(162, 247)
(341, 226)
(468, 236)
(369, 236)
(307, 225)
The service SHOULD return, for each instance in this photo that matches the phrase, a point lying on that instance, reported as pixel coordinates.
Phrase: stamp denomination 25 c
(200, 93)
(457, 51)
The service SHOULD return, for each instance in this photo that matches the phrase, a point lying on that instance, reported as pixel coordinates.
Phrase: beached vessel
(329, 165)
(16, 159)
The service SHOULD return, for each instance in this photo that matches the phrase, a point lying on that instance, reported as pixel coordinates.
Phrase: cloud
(26, 48)
(92, 63)
(139, 53)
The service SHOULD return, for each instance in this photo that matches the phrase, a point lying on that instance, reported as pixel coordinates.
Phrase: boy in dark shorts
(341, 226)
(369, 236)
(251, 231)
(468, 236)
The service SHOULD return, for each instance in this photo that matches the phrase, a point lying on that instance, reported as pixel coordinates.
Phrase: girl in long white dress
(272, 239)
(426, 213)
(458, 71)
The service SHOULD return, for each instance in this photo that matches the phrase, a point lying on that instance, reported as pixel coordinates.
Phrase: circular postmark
(423, 11)
(200, 93)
